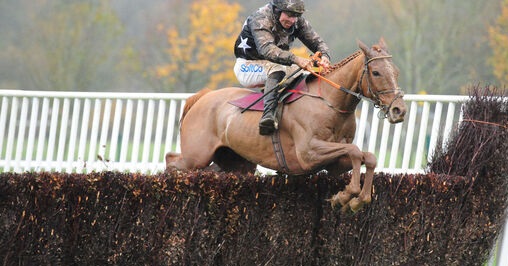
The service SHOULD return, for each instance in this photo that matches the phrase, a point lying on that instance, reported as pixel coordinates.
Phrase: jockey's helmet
(295, 6)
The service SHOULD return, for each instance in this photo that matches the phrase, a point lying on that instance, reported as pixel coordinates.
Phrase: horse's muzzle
(396, 113)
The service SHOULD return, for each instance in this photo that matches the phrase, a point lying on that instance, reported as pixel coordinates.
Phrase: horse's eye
(375, 73)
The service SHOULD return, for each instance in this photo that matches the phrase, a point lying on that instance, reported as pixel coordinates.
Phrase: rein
(377, 102)
(337, 86)
(324, 100)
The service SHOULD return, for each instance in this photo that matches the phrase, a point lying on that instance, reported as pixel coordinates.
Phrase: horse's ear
(364, 47)
(382, 44)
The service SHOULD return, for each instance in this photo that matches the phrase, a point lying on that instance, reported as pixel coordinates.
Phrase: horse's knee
(369, 160)
(356, 156)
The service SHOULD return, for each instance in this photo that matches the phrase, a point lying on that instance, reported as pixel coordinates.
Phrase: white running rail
(87, 131)
(96, 131)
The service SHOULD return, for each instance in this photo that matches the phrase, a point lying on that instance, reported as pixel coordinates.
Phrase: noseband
(384, 109)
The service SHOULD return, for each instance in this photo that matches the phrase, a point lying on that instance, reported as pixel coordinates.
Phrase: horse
(316, 132)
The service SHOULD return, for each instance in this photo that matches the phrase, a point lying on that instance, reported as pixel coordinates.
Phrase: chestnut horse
(316, 133)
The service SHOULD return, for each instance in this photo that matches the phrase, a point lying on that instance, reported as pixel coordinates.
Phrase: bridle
(384, 109)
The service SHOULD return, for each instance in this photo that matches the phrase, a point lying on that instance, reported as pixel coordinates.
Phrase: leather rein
(384, 109)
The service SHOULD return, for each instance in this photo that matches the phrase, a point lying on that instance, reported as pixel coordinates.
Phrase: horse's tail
(192, 100)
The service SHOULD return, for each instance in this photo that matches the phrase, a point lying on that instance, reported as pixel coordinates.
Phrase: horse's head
(378, 81)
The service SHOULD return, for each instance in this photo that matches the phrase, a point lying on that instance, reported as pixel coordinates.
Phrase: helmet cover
(296, 6)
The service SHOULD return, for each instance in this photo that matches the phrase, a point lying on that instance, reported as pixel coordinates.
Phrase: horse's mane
(343, 62)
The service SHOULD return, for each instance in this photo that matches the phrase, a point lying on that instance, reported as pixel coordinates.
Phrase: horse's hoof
(356, 204)
(343, 197)
(339, 198)
(345, 209)
(367, 200)
(334, 201)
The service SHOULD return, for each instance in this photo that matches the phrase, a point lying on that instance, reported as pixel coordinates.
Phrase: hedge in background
(450, 216)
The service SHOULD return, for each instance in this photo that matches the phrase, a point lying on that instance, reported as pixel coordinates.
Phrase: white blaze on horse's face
(379, 82)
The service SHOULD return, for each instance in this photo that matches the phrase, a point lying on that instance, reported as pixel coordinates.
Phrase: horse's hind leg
(172, 160)
(177, 161)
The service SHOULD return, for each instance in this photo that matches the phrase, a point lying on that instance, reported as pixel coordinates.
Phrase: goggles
(292, 14)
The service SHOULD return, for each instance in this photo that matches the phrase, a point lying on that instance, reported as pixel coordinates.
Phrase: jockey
(262, 51)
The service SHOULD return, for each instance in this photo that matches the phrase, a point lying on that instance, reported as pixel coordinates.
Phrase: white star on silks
(244, 44)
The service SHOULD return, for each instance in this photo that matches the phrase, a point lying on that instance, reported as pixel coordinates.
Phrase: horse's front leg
(343, 155)
(365, 196)
(353, 161)
(351, 200)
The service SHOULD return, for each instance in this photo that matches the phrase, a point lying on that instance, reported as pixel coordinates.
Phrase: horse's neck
(345, 74)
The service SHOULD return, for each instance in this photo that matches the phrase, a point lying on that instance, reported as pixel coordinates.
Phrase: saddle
(289, 95)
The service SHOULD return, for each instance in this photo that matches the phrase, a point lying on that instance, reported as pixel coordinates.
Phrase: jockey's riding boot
(266, 124)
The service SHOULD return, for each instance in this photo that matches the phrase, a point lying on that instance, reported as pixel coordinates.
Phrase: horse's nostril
(395, 111)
